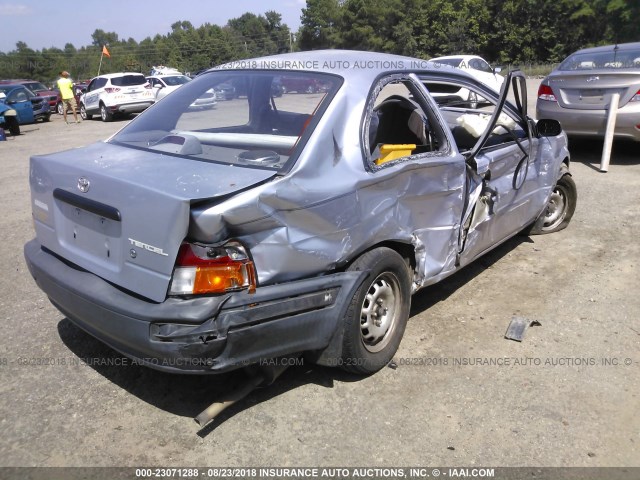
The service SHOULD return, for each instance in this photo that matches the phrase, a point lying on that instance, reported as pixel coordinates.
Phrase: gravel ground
(568, 395)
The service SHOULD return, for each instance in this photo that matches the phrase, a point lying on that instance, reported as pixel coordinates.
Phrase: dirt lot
(568, 395)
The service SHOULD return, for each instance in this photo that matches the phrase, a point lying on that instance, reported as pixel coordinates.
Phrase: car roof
(455, 57)
(119, 74)
(16, 81)
(167, 76)
(13, 85)
(608, 48)
(346, 63)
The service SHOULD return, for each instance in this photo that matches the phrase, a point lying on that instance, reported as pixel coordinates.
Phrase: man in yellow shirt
(65, 85)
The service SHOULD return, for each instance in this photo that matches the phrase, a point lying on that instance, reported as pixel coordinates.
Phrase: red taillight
(545, 93)
(204, 269)
(111, 89)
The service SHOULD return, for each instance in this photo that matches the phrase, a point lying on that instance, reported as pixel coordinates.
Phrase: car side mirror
(549, 128)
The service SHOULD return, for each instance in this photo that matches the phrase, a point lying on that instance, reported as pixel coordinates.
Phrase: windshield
(35, 86)
(177, 80)
(614, 59)
(17, 94)
(242, 118)
(454, 62)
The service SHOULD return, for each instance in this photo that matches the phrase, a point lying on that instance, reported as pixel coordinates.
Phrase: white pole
(608, 135)
(100, 66)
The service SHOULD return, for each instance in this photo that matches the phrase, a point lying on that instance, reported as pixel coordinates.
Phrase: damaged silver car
(205, 241)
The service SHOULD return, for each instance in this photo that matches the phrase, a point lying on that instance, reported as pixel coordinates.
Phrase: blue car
(23, 105)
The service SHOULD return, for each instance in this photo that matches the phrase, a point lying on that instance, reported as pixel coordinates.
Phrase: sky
(54, 23)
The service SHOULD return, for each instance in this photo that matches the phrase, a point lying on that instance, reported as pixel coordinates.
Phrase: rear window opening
(257, 120)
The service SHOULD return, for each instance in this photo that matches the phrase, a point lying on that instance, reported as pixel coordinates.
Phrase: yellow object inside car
(389, 151)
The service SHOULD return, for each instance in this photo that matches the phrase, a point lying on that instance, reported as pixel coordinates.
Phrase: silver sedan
(578, 93)
(277, 223)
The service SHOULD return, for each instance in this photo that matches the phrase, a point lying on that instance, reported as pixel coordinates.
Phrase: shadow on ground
(188, 395)
(589, 150)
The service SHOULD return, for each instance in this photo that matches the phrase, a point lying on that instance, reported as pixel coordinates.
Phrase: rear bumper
(593, 123)
(131, 107)
(198, 335)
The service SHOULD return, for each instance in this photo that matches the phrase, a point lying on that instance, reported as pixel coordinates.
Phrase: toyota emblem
(83, 185)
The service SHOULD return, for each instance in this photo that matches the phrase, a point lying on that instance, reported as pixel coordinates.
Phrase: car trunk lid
(593, 90)
(122, 213)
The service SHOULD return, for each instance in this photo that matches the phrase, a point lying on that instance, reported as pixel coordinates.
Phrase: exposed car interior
(399, 126)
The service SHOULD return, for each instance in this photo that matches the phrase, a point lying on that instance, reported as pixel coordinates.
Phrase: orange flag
(105, 51)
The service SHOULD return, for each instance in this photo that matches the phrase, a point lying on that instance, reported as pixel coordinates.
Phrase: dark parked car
(78, 89)
(225, 91)
(204, 243)
(578, 93)
(301, 85)
(38, 89)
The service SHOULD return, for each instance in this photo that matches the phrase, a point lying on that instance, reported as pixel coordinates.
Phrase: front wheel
(60, 108)
(377, 315)
(560, 208)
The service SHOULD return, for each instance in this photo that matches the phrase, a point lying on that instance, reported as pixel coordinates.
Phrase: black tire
(105, 114)
(84, 114)
(561, 207)
(377, 315)
(12, 125)
(47, 118)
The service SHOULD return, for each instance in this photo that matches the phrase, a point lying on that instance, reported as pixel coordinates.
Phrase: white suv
(116, 93)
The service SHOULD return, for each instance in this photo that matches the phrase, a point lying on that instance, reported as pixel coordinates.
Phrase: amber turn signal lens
(223, 278)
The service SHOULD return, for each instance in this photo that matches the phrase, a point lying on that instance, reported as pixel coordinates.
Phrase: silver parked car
(578, 93)
(205, 241)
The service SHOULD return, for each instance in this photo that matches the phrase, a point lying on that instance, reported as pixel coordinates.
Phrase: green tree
(319, 24)
(370, 25)
(101, 38)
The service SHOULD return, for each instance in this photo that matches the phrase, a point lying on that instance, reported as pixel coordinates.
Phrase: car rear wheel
(377, 315)
(12, 125)
(84, 114)
(560, 208)
(105, 114)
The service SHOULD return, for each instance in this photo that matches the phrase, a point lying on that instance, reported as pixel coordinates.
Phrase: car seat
(397, 120)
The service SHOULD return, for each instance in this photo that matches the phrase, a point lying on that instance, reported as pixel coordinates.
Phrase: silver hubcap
(379, 313)
(556, 209)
